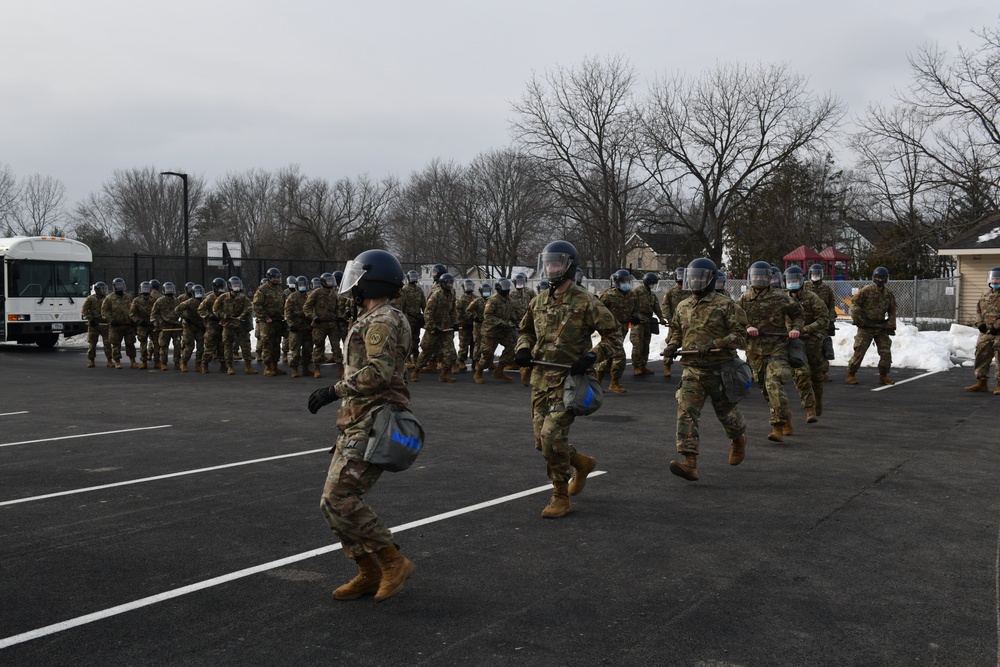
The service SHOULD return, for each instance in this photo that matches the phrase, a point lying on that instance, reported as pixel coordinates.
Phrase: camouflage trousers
(213, 340)
(437, 347)
(235, 336)
(488, 345)
(349, 516)
(299, 347)
(550, 422)
(122, 333)
(809, 378)
(616, 362)
(465, 344)
(149, 344)
(640, 337)
(771, 374)
(414, 338)
(93, 334)
(987, 349)
(166, 339)
(321, 333)
(862, 341)
(696, 386)
(193, 338)
(270, 341)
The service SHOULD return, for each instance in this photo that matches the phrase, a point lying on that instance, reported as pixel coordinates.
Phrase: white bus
(45, 281)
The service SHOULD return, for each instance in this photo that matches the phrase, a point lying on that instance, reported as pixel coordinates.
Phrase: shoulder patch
(375, 338)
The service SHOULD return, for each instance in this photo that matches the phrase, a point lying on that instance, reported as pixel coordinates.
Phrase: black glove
(670, 352)
(983, 328)
(523, 357)
(581, 365)
(468, 326)
(890, 332)
(433, 331)
(95, 323)
(704, 348)
(994, 331)
(634, 320)
(320, 397)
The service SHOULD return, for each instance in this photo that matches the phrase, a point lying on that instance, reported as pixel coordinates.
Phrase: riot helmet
(169, 289)
(993, 279)
(144, 287)
(218, 285)
(290, 282)
(437, 271)
(468, 286)
(650, 280)
(273, 276)
(189, 288)
(372, 274)
(700, 275)
(235, 284)
(263, 281)
(622, 279)
(197, 292)
(446, 281)
(302, 284)
(558, 262)
(880, 276)
(412, 277)
(679, 275)
(101, 288)
(816, 273)
(520, 281)
(543, 285)
(579, 276)
(315, 283)
(720, 281)
(155, 284)
(759, 274)
(338, 276)
(776, 277)
(328, 281)
(118, 284)
(794, 279)
(485, 290)
(504, 286)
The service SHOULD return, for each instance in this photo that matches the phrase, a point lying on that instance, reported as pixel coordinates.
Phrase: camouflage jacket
(772, 311)
(440, 311)
(231, 307)
(374, 369)
(498, 315)
(815, 314)
(462, 305)
(115, 309)
(621, 304)
(646, 304)
(874, 307)
(412, 300)
(164, 314)
(323, 306)
(713, 318)
(988, 309)
(187, 310)
(139, 311)
(269, 302)
(521, 299)
(91, 309)
(207, 307)
(294, 315)
(824, 292)
(558, 328)
(476, 310)
(671, 298)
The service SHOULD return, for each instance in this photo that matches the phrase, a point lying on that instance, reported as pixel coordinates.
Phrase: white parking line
(87, 489)
(84, 435)
(240, 574)
(899, 382)
(8, 414)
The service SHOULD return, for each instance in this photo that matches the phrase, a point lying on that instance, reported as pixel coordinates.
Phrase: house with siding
(975, 252)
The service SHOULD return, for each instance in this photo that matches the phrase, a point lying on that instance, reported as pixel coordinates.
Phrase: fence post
(135, 272)
(916, 301)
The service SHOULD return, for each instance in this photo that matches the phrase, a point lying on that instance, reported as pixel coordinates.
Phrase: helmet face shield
(793, 279)
(118, 284)
(696, 279)
(145, 287)
(553, 265)
(759, 277)
(816, 273)
(412, 276)
(352, 274)
(236, 284)
(198, 291)
(993, 280)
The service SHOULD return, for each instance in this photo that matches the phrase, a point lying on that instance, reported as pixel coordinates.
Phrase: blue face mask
(793, 287)
(994, 285)
(625, 287)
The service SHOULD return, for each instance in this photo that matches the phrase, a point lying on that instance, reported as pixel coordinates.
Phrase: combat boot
(430, 368)
(851, 379)
(498, 374)
(637, 371)
(526, 376)
(776, 434)
(786, 428)
(396, 569)
(204, 367)
(559, 502)
(415, 375)
(647, 371)
(365, 583)
(979, 386)
(583, 465)
(444, 377)
(457, 368)
(316, 373)
(90, 363)
(118, 364)
(996, 390)
(477, 377)
(111, 364)
(269, 370)
(229, 370)
(599, 375)
(306, 370)
(164, 367)
(811, 416)
(295, 371)
(738, 450)
(177, 366)
(688, 470)
(132, 364)
(340, 370)
(666, 370)
(884, 379)
(143, 366)
(249, 369)
(184, 367)
(615, 386)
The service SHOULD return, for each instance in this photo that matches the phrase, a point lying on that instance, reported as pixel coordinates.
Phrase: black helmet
(189, 288)
(993, 279)
(794, 278)
(412, 276)
(169, 289)
(776, 277)
(302, 284)
(579, 276)
(218, 285)
(372, 274)
(759, 274)
(290, 281)
(700, 275)
(446, 281)
(880, 276)
(468, 286)
(816, 273)
(543, 285)
(622, 279)
(520, 281)
(101, 288)
(485, 290)
(720, 281)
(315, 283)
(504, 286)
(328, 281)
(197, 292)
(235, 284)
(650, 279)
(679, 274)
(155, 284)
(263, 281)
(558, 262)
(118, 284)
(273, 276)
(338, 276)
(144, 287)
(437, 271)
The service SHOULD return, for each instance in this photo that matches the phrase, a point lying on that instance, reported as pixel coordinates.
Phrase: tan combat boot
(249, 369)
(269, 371)
(851, 379)
(415, 375)
(786, 428)
(118, 364)
(90, 363)
(164, 366)
(184, 367)
(637, 371)
(306, 370)
(204, 367)
(738, 450)
(979, 386)
(229, 370)
(143, 366)
(615, 386)
(559, 502)
(316, 373)
(526, 376)
(811, 416)
(132, 364)
(457, 368)
(111, 364)
(647, 371)
(688, 470)
(583, 465)
(444, 377)
(365, 583)
(396, 569)
(666, 369)
(295, 371)
(498, 374)
(477, 377)
(776, 434)
(884, 379)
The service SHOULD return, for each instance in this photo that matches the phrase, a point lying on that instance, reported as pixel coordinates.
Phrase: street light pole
(187, 249)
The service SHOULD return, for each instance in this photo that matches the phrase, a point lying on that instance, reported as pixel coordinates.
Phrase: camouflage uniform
(97, 326)
(475, 311)
(816, 322)
(213, 330)
(646, 306)
(139, 310)
(439, 314)
(322, 307)
(557, 329)
(718, 320)
(771, 311)
(465, 331)
(232, 309)
(269, 308)
(988, 344)
(299, 331)
(873, 311)
(622, 306)
(825, 292)
(115, 310)
(412, 302)
(166, 319)
(498, 329)
(377, 348)
(671, 298)
(194, 331)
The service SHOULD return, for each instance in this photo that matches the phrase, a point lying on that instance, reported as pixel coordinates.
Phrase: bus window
(49, 279)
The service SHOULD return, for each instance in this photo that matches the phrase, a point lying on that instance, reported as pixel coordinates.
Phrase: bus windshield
(37, 279)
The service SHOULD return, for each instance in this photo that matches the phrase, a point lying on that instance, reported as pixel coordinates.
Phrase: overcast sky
(348, 88)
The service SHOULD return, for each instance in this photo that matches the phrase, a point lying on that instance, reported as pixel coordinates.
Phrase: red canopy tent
(829, 258)
(803, 256)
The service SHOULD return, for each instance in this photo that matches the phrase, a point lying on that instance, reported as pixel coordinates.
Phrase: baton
(550, 364)
(688, 353)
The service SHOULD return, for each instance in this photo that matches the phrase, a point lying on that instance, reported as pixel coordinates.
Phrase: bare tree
(9, 194)
(712, 142)
(250, 203)
(38, 208)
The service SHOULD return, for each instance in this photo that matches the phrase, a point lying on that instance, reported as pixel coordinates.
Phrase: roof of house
(984, 236)
(659, 243)
(870, 230)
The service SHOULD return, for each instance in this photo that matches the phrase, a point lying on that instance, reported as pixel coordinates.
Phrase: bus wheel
(47, 341)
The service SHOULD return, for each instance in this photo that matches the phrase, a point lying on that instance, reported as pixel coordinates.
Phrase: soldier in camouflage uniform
(988, 343)
(873, 311)
(290, 289)
(824, 292)
(498, 329)
(465, 327)
(233, 308)
(194, 329)
(412, 302)
(377, 348)
(299, 329)
(711, 326)
(139, 310)
(166, 320)
(439, 337)
(773, 318)
(521, 297)
(97, 327)
(322, 307)
(647, 307)
(671, 298)
(213, 328)
(557, 329)
(115, 311)
(815, 323)
(621, 302)
(269, 308)
(476, 312)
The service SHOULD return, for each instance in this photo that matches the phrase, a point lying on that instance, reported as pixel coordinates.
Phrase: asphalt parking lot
(869, 538)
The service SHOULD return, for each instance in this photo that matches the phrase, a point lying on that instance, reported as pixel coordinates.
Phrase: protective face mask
(793, 287)
(625, 287)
